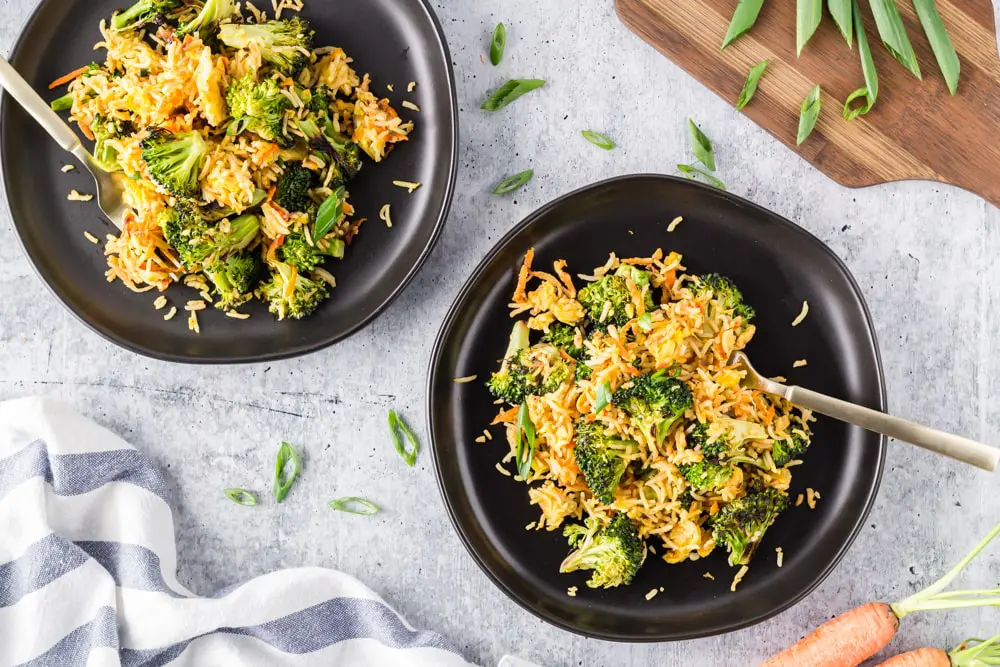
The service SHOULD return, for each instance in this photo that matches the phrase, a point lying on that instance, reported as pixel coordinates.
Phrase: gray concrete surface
(926, 256)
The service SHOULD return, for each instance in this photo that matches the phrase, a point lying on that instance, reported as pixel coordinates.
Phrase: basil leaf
(843, 15)
(329, 213)
(807, 17)
(603, 397)
(286, 469)
(498, 43)
(809, 114)
(694, 173)
(514, 182)
(743, 19)
(646, 322)
(509, 92)
(750, 87)
(524, 456)
(702, 146)
(598, 139)
(397, 426)
(241, 497)
(353, 505)
(870, 89)
(893, 34)
(937, 35)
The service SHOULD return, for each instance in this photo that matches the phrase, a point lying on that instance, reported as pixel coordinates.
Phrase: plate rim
(433, 379)
(137, 348)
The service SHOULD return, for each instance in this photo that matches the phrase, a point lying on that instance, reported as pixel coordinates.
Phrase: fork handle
(20, 90)
(956, 447)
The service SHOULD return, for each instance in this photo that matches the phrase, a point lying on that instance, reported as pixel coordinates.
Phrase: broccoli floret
(615, 554)
(613, 289)
(205, 23)
(187, 232)
(513, 382)
(563, 336)
(741, 524)
(320, 99)
(655, 401)
(174, 160)
(297, 252)
(284, 43)
(242, 232)
(705, 475)
(105, 129)
(291, 294)
(141, 13)
(292, 190)
(341, 152)
(783, 451)
(698, 436)
(576, 533)
(724, 295)
(259, 108)
(234, 278)
(602, 459)
(640, 279)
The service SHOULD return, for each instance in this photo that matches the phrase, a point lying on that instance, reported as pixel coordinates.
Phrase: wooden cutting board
(916, 130)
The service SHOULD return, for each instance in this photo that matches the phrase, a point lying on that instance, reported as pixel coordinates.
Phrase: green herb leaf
(598, 139)
(870, 89)
(937, 35)
(241, 497)
(512, 183)
(286, 469)
(397, 426)
(809, 114)
(524, 456)
(843, 16)
(645, 322)
(603, 397)
(64, 103)
(807, 17)
(694, 173)
(743, 19)
(509, 92)
(702, 146)
(498, 43)
(353, 505)
(893, 34)
(750, 87)
(329, 213)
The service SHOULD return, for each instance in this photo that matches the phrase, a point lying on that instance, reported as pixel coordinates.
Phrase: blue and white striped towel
(88, 571)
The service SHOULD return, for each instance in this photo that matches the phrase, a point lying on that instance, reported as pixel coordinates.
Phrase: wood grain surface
(916, 130)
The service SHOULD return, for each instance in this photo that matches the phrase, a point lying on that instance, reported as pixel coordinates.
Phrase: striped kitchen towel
(88, 571)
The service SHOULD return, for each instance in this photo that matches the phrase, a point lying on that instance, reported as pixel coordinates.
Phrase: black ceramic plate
(778, 266)
(397, 41)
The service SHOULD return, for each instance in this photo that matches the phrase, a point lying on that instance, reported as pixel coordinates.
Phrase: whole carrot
(970, 653)
(922, 657)
(858, 634)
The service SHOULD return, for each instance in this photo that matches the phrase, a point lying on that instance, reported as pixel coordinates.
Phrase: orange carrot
(66, 78)
(922, 657)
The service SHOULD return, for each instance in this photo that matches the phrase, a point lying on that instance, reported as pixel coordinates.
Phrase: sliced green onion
(509, 92)
(329, 213)
(893, 34)
(514, 182)
(743, 19)
(241, 497)
(694, 173)
(645, 322)
(843, 15)
(808, 14)
(603, 397)
(286, 469)
(397, 426)
(498, 43)
(64, 103)
(937, 35)
(870, 89)
(750, 87)
(524, 456)
(702, 146)
(809, 114)
(598, 139)
(353, 505)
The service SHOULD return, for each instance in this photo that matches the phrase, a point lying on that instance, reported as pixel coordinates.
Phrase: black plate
(777, 265)
(397, 41)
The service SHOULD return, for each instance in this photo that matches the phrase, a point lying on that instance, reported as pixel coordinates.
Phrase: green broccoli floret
(141, 13)
(724, 295)
(105, 129)
(611, 297)
(242, 232)
(234, 278)
(291, 294)
(342, 153)
(640, 279)
(208, 19)
(513, 382)
(258, 108)
(320, 99)
(784, 451)
(559, 372)
(698, 437)
(291, 192)
(602, 458)
(655, 401)
(284, 44)
(615, 554)
(174, 160)
(576, 532)
(741, 524)
(563, 336)
(297, 252)
(705, 475)
(187, 232)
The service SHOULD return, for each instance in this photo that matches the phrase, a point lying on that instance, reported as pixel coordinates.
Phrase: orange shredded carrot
(669, 279)
(66, 78)
(85, 128)
(270, 192)
(522, 277)
(640, 305)
(506, 416)
(559, 266)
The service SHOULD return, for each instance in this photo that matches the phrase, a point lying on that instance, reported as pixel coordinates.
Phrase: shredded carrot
(270, 192)
(522, 277)
(559, 266)
(506, 416)
(85, 128)
(66, 78)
